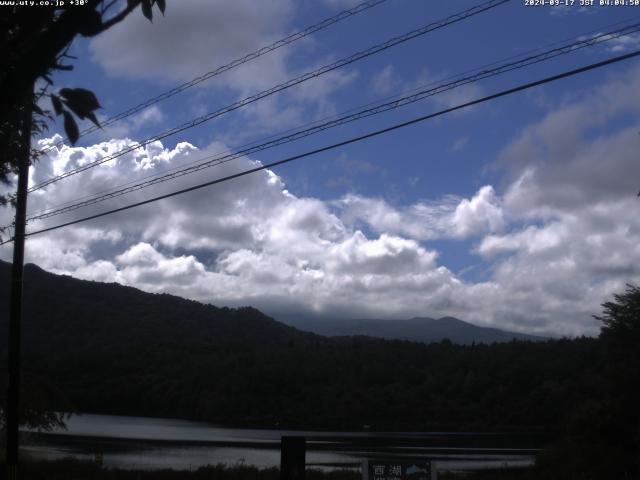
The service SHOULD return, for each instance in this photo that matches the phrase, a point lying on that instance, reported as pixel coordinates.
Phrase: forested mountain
(105, 348)
(419, 329)
(64, 314)
(346, 384)
(114, 349)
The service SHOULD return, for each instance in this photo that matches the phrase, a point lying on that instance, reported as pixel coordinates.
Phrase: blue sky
(520, 213)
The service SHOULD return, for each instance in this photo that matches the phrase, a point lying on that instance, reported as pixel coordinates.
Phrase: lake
(152, 443)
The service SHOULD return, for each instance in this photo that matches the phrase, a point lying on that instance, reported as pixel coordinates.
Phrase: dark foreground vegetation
(101, 348)
(66, 469)
(341, 385)
(81, 470)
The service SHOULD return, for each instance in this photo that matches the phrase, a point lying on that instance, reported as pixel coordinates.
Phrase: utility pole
(15, 306)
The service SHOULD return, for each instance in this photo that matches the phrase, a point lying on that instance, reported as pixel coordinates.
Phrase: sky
(520, 213)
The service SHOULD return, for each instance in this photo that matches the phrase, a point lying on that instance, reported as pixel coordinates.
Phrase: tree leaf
(91, 25)
(57, 104)
(146, 9)
(162, 4)
(37, 109)
(80, 101)
(82, 95)
(92, 116)
(71, 128)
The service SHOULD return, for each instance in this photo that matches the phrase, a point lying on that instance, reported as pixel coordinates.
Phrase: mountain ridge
(104, 348)
(62, 313)
(417, 329)
(73, 314)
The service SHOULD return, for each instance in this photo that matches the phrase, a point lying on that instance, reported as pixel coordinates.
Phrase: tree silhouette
(600, 437)
(620, 335)
(35, 43)
(621, 318)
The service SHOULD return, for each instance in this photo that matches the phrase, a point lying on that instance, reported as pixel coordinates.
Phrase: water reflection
(154, 443)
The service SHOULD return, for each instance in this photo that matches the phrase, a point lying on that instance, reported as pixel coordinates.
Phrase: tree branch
(119, 17)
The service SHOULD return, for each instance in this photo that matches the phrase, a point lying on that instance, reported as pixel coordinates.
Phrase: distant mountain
(106, 348)
(419, 329)
(65, 314)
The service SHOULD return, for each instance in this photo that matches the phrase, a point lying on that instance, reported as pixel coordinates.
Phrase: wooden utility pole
(15, 306)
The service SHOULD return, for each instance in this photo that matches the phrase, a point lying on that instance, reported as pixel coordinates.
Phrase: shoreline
(329, 443)
(82, 469)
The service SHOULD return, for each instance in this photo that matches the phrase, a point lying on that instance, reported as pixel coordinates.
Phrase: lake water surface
(152, 443)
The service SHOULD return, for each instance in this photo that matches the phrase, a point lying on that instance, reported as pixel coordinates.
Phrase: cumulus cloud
(573, 193)
(246, 242)
(450, 217)
(558, 238)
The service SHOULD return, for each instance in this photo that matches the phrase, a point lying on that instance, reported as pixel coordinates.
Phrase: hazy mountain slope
(419, 329)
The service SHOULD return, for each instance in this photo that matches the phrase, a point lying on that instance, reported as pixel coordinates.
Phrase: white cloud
(574, 194)
(560, 239)
(385, 81)
(202, 35)
(624, 43)
(482, 213)
(569, 160)
(150, 116)
(252, 242)
(616, 44)
(450, 217)
(65, 158)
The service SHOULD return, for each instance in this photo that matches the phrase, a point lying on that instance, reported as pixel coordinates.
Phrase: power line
(327, 22)
(217, 159)
(586, 36)
(290, 83)
(376, 133)
(283, 86)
